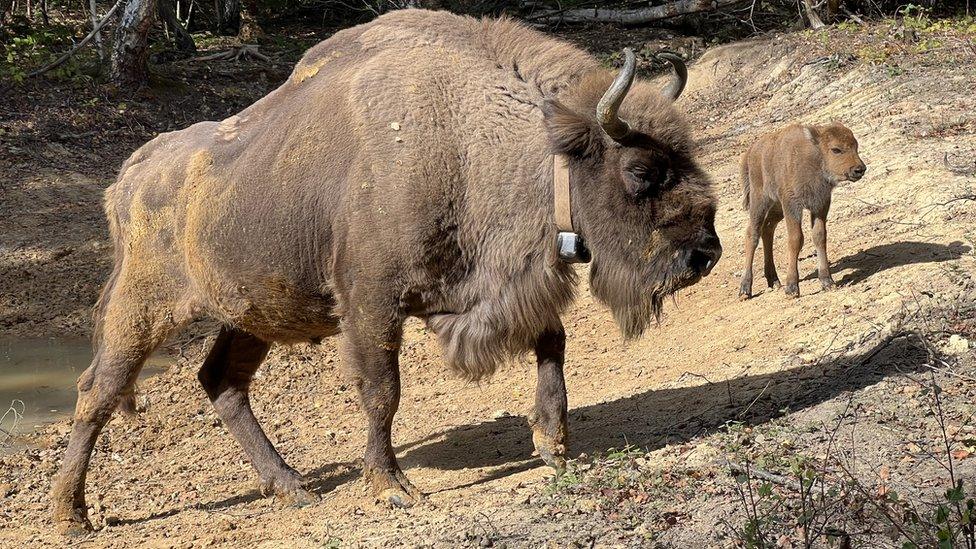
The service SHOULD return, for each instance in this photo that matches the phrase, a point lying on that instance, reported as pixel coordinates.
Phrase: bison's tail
(128, 402)
(101, 306)
(744, 175)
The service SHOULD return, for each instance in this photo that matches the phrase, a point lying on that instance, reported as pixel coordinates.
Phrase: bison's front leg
(819, 223)
(373, 362)
(794, 245)
(548, 420)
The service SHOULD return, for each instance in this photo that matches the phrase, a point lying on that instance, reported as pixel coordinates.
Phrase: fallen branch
(755, 472)
(18, 414)
(960, 170)
(634, 16)
(852, 17)
(72, 51)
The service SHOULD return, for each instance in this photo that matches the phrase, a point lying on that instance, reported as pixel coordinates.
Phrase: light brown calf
(783, 173)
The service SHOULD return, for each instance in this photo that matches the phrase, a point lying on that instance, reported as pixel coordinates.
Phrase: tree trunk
(98, 33)
(635, 16)
(184, 42)
(6, 7)
(250, 29)
(228, 17)
(833, 9)
(131, 51)
(815, 21)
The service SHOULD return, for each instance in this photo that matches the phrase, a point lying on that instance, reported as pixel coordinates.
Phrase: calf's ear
(812, 134)
(569, 133)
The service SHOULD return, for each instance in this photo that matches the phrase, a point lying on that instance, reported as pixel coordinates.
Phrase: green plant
(26, 48)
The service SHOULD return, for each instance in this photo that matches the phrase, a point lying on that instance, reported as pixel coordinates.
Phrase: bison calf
(783, 173)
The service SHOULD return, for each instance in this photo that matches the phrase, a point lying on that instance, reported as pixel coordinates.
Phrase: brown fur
(405, 169)
(783, 173)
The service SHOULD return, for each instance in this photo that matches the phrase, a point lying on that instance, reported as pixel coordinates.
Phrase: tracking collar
(569, 244)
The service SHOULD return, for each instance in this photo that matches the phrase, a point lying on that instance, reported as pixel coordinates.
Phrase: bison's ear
(570, 133)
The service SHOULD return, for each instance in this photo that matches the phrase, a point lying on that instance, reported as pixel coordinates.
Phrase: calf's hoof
(827, 284)
(774, 284)
(393, 489)
(745, 290)
(793, 289)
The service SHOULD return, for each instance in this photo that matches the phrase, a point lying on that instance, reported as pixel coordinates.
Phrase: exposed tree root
(237, 54)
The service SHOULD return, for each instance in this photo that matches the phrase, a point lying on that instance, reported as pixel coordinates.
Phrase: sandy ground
(173, 477)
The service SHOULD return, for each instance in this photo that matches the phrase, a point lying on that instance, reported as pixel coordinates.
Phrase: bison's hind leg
(759, 206)
(773, 217)
(133, 320)
(226, 375)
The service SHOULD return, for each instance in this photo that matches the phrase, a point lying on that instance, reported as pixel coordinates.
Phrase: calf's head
(640, 200)
(838, 148)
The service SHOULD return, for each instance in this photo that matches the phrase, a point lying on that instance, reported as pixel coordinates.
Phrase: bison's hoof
(392, 488)
(827, 284)
(71, 520)
(774, 284)
(551, 451)
(298, 497)
(288, 488)
(397, 498)
(74, 528)
(556, 461)
(793, 289)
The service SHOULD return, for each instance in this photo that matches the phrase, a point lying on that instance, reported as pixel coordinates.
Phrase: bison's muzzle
(857, 172)
(702, 259)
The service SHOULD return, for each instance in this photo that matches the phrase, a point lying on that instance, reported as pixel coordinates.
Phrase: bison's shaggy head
(838, 148)
(642, 203)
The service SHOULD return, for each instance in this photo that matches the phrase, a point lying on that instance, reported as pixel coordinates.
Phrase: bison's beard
(636, 296)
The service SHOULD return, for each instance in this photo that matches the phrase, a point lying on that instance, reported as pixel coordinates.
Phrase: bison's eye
(835, 150)
(640, 179)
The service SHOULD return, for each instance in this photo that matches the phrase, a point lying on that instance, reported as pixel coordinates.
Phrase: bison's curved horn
(679, 75)
(606, 110)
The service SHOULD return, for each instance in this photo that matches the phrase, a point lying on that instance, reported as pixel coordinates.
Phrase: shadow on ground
(871, 261)
(655, 418)
(648, 420)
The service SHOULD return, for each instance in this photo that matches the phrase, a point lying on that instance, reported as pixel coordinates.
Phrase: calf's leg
(758, 207)
(773, 218)
(794, 244)
(549, 419)
(226, 375)
(373, 361)
(819, 222)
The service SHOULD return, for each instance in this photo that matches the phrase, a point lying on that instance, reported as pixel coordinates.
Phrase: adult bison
(404, 169)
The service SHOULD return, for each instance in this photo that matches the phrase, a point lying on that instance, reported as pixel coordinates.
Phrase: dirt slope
(173, 477)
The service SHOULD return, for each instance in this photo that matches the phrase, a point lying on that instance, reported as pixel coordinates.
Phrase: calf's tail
(744, 176)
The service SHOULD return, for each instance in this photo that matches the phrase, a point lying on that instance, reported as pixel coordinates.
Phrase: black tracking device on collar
(572, 248)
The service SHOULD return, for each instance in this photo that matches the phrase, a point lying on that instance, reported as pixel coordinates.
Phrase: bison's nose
(858, 172)
(704, 257)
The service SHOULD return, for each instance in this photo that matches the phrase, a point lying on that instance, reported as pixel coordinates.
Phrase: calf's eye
(835, 150)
